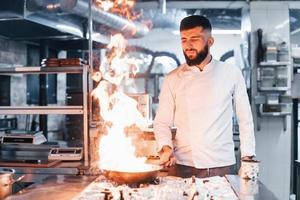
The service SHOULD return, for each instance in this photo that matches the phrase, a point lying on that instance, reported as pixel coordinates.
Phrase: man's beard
(199, 57)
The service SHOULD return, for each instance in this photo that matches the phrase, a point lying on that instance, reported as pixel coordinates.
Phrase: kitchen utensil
(260, 49)
(267, 81)
(273, 99)
(249, 169)
(271, 51)
(283, 52)
(6, 182)
(122, 177)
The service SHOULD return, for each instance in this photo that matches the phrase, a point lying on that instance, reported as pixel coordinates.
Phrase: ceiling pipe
(80, 7)
(10, 15)
(63, 25)
(17, 10)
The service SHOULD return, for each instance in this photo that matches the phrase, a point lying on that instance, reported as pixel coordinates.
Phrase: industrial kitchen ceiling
(17, 23)
(65, 20)
(34, 20)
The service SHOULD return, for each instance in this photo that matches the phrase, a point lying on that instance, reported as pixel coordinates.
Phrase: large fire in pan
(117, 109)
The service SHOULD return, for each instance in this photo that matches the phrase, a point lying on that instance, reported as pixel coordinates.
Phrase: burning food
(117, 156)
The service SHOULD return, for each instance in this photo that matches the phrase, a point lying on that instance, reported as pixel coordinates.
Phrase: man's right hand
(166, 156)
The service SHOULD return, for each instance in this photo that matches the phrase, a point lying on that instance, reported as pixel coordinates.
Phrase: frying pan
(122, 177)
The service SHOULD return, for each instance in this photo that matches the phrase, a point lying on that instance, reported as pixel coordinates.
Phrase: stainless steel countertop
(53, 187)
(65, 187)
(247, 189)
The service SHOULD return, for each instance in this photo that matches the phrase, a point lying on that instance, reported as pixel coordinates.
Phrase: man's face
(195, 44)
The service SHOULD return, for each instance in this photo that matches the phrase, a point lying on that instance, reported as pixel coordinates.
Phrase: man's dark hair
(195, 21)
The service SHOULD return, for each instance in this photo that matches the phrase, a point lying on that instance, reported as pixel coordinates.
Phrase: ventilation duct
(81, 7)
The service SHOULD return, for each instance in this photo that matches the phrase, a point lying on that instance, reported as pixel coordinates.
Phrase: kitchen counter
(62, 187)
(246, 189)
(53, 187)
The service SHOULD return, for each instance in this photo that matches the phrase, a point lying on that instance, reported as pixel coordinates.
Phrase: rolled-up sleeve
(244, 116)
(164, 116)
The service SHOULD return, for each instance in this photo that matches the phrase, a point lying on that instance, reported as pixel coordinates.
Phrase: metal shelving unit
(273, 89)
(40, 110)
(63, 110)
(42, 70)
(273, 86)
(273, 64)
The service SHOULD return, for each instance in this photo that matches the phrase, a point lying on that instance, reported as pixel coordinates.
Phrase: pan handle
(12, 181)
(17, 180)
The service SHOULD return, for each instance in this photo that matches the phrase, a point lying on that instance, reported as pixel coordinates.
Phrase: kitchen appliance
(260, 49)
(24, 138)
(122, 177)
(267, 82)
(250, 169)
(272, 99)
(68, 153)
(283, 52)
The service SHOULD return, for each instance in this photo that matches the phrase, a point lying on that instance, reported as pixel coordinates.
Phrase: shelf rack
(64, 110)
(275, 95)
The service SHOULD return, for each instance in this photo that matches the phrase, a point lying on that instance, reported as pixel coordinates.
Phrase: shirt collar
(207, 68)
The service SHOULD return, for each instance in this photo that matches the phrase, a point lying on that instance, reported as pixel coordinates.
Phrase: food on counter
(166, 188)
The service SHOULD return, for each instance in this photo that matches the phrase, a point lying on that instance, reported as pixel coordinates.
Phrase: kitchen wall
(295, 39)
(14, 53)
(169, 40)
(273, 144)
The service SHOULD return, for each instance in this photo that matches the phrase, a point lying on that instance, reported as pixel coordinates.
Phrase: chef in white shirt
(199, 98)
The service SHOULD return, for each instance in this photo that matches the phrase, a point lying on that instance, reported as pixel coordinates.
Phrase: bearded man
(198, 98)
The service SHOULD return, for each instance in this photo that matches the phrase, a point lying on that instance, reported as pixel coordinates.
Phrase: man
(198, 98)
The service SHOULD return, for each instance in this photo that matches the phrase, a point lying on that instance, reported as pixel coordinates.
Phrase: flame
(106, 5)
(118, 110)
(116, 66)
(123, 8)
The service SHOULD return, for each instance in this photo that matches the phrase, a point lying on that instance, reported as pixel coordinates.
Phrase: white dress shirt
(200, 104)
